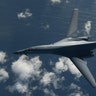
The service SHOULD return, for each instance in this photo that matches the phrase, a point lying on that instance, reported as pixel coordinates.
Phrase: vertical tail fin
(74, 24)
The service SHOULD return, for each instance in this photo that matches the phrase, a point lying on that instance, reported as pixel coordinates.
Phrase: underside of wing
(83, 68)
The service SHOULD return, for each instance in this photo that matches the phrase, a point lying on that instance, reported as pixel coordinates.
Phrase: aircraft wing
(73, 25)
(83, 68)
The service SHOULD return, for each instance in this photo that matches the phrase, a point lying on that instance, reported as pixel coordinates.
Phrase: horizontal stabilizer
(83, 68)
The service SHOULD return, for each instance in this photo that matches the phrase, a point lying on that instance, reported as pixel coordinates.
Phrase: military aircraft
(74, 47)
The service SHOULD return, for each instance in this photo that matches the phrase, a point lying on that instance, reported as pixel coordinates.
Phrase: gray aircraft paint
(74, 47)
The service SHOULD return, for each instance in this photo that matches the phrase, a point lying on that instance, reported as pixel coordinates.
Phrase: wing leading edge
(83, 68)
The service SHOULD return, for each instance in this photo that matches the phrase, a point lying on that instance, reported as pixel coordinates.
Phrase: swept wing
(83, 68)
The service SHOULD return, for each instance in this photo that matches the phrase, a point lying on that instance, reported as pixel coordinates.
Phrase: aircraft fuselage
(68, 49)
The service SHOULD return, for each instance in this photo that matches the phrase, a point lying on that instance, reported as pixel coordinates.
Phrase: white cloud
(74, 86)
(65, 64)
(56, 1)
(25, 14)
(49, 92)
(3, 75)
(45, 27)
(57, 83)
(79, 93)
(60, 66)
(2, 57)
(76, 90)
(48, 78)
(27, 68)
(18, 86)
(88, 27)
(73, 69)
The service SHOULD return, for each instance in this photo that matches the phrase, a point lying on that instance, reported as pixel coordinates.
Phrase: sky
(26, 23)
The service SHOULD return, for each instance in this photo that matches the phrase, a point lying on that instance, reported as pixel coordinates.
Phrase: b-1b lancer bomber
(74, 47)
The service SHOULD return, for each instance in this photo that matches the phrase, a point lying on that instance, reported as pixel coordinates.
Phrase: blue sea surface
(16, 34)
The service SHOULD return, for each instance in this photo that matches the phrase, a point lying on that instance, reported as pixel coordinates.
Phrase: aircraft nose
(19, 52)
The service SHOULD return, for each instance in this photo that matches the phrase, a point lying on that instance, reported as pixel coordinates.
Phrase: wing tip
(94, 86)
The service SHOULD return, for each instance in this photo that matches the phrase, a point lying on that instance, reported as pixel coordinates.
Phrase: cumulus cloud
(56, 1)
(20, 87)
(3, 75)
(74, 86)
(48, 78)
(80, 93)
(30, 71)
(51, 78)
(65, 64)
(61, 66)
(73, 69)
(27, 68)
(25, 14)
(76, 90)
(88, 27)
(2, 57)
(49, 92)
